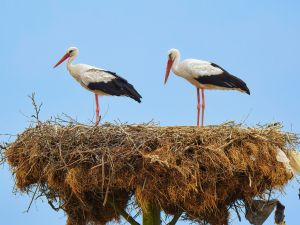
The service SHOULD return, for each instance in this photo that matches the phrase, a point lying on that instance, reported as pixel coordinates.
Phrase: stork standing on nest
(203, 75)
(99, 81)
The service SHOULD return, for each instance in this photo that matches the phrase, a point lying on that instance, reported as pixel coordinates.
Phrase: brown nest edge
(93, 172)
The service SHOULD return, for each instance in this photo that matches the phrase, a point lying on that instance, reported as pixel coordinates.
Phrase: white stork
(99, 81)
(203, 75)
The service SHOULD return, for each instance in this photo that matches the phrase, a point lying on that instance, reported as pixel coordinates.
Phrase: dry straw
(93, 172)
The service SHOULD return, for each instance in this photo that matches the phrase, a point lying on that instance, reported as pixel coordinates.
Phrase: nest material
(199, 171)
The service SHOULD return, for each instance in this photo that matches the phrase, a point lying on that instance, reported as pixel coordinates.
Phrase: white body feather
(191, 69)
(86, 74)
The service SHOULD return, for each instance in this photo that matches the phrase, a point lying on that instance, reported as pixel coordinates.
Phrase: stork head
(172, 55)
(71, 52)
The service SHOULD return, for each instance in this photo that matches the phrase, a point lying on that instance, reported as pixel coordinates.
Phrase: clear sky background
(258, 41)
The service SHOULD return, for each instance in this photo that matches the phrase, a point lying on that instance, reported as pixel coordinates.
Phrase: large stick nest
(202, 172)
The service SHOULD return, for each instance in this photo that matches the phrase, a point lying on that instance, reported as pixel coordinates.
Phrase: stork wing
(96, 76)
(212, 74)
(202, 68)
(109, 83)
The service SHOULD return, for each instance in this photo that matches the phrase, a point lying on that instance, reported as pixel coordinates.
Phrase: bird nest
(92, 173)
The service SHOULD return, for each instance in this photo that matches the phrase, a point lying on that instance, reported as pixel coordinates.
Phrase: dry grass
(199, 171)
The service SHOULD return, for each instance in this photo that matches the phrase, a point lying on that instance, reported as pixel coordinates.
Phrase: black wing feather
(224, 79)
(117, 87)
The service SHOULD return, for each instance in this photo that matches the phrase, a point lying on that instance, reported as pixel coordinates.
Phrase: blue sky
(257, 41)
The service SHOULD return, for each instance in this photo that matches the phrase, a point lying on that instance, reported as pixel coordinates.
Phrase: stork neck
(69, 63)
(176, 63)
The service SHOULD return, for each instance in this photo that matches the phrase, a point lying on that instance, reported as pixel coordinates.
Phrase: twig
(123, 213)
(53, 207)
(237, 212)
(37, 108)
(103, 173)
(270, 194)
(175, 218)
(36, 189)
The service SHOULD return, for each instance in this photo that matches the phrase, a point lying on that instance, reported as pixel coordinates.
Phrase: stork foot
(198, 115)
(198, 107)
(203, 107)
(98, 120)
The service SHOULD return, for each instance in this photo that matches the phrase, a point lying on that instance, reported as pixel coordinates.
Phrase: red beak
(169, 66)
(67, 55)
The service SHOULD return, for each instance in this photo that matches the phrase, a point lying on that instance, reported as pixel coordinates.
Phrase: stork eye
(71, 51)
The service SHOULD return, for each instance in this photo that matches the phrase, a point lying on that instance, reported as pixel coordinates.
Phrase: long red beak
(169, 66)
(67, 55)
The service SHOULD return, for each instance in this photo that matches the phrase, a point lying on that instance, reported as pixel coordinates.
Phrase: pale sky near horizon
(257, 41)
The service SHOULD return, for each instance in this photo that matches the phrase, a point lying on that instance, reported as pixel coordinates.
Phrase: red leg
(98, 117)
(198, 107)
(203, 106)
